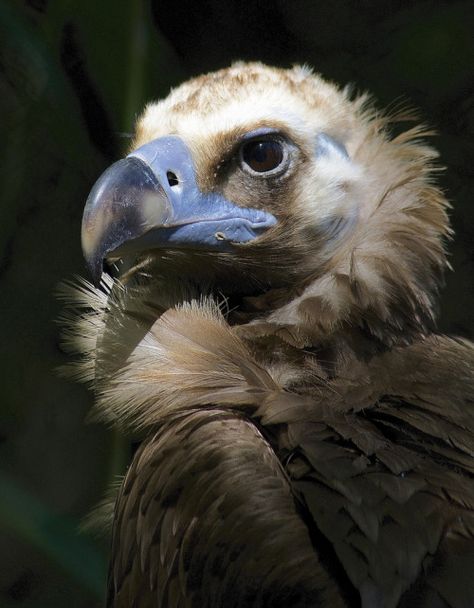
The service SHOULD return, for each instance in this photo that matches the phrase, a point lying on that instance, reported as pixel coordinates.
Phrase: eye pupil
(262, 156)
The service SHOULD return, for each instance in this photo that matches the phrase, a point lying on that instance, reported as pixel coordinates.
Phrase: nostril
(172, 178)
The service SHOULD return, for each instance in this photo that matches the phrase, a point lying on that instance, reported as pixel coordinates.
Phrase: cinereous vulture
(267, 335)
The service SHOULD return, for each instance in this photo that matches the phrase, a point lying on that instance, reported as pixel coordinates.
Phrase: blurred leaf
(54, 535)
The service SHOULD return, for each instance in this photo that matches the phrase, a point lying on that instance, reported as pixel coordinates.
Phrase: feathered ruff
(189, 355)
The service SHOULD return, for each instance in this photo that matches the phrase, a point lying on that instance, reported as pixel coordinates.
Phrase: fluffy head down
(360, 238)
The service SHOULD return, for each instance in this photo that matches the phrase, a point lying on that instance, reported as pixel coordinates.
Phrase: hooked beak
(151, 199)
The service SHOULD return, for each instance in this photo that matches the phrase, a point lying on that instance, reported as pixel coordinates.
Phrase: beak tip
(95, 270)
(126, 198)
(93, 258)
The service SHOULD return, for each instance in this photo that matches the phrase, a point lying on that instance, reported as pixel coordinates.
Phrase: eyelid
(261, 132)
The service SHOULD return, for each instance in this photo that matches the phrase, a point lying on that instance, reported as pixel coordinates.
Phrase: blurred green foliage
(55, 536)
(73, 77)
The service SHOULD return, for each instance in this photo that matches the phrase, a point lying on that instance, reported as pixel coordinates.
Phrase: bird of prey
(306, 436)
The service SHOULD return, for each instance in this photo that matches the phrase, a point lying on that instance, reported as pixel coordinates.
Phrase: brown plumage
(307, 440)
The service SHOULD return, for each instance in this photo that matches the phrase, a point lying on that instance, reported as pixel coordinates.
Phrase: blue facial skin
(151, 200)
(326, 145)
(196, 217)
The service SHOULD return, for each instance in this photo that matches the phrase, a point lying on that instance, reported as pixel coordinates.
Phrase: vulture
(265, 331)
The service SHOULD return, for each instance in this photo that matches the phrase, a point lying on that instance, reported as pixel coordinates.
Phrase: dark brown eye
(262, 156)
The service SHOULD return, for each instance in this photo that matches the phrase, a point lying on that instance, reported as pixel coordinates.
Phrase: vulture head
(307, 439)
(274, 188)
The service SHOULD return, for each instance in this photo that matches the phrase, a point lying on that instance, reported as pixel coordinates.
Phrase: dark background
(73, 76)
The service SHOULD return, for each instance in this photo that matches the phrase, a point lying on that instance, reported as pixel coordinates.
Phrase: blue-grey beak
(150, 199)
